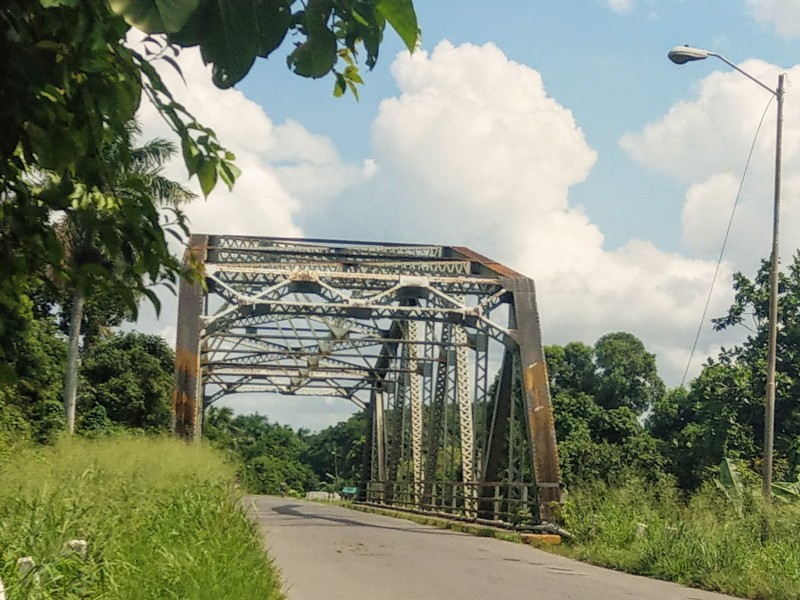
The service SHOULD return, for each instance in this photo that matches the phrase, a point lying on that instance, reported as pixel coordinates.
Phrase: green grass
(702, 542)
(159, 517)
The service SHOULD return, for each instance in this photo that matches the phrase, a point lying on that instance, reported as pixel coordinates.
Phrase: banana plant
(730, 483)
(786, 491)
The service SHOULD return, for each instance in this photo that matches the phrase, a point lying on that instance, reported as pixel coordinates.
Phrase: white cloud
(705, 143)
(783, 14)
(620, 6)
(474, 152)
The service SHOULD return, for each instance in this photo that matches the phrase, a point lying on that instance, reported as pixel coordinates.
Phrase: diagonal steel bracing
(411, 333)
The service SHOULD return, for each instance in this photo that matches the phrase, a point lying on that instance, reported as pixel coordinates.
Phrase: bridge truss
(440, 345)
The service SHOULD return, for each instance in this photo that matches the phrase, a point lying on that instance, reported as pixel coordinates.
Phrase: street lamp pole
(681, 55)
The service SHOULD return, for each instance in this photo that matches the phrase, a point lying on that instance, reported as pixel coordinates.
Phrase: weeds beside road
(158, 516)
(650, 530)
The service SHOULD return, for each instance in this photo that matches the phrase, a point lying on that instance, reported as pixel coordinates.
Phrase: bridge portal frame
(379, 321)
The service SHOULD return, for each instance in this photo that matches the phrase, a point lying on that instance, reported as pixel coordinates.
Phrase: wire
(725, 242)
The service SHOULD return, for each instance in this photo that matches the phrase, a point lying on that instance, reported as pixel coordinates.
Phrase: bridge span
(439, 345)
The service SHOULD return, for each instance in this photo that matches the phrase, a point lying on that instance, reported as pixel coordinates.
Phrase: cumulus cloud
(474, 152)
(705, 143)
(785, 16)
(620, 6)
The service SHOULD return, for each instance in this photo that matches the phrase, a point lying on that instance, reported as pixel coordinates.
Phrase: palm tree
(113, 241)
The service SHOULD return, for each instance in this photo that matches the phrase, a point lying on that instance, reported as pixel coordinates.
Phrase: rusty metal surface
(332, 318)
(536, 393)
(186, 399)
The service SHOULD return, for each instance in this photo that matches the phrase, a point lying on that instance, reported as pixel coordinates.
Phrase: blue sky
(609, 68)
(554, 136)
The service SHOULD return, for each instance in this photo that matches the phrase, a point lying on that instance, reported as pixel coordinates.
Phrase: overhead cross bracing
(405, 331)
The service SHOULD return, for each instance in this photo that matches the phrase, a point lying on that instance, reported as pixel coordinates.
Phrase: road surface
(330, 553)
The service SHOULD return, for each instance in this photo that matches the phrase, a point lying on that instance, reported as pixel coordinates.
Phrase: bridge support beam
(497, 442)
(187, 397)
(415, 383)
(466, 429)
(379, 442)
(536, 394)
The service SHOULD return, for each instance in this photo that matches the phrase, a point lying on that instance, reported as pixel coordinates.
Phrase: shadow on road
(294, 510)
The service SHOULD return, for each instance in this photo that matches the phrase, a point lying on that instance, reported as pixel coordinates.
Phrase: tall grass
(650, 530)
(158, 516)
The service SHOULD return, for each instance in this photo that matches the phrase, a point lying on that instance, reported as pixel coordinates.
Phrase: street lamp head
(682, 54)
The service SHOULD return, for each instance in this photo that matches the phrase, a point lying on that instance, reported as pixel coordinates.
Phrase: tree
(108, 253)
(722, 414)
(599, 396)
(29, 402)
(715, 418)
(626, 372)
(269, 454)
(337, 452)
(127, 378)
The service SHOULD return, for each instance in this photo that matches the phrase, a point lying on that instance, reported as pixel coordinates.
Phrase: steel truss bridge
(440, 345)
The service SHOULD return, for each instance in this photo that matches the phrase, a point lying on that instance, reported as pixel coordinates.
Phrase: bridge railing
(495, 503)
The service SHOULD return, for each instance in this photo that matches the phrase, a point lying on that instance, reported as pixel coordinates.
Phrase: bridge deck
(328, 552)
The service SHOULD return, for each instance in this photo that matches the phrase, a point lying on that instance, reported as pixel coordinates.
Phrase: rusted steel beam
(536, 393)
(187, 397)
(483, 265)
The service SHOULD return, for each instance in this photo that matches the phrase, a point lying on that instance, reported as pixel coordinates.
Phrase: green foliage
(626, 372)
(127, 379)
(114, 246)
(750, 310)
(34, 351)
(786, 491)
(337, 452)
(269, 454)
(157, 515)
(722, 414)
(231, 35)
(598, 397)
(645, 527)
(730, 484)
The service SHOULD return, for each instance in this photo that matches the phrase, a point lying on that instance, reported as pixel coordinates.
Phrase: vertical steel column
(367, 457)
(466, 430)
(480, 401)
(380, 441)
(536, 393)
(187, 398)
(415, 383)
(394, 431)
(437, 413)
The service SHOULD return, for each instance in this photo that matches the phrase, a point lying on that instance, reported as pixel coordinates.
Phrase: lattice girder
(406, 331)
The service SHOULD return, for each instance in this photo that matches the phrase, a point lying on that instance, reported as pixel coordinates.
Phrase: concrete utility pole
(681, 55)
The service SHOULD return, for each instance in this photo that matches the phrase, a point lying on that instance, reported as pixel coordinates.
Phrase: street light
(681, 55)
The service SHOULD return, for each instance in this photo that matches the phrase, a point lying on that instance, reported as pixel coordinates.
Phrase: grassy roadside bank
(703, 542)
(158, 516)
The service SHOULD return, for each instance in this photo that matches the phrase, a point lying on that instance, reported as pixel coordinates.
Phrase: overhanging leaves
(401, 16)
(155, 16)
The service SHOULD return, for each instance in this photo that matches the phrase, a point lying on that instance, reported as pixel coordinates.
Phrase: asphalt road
(330, 553)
